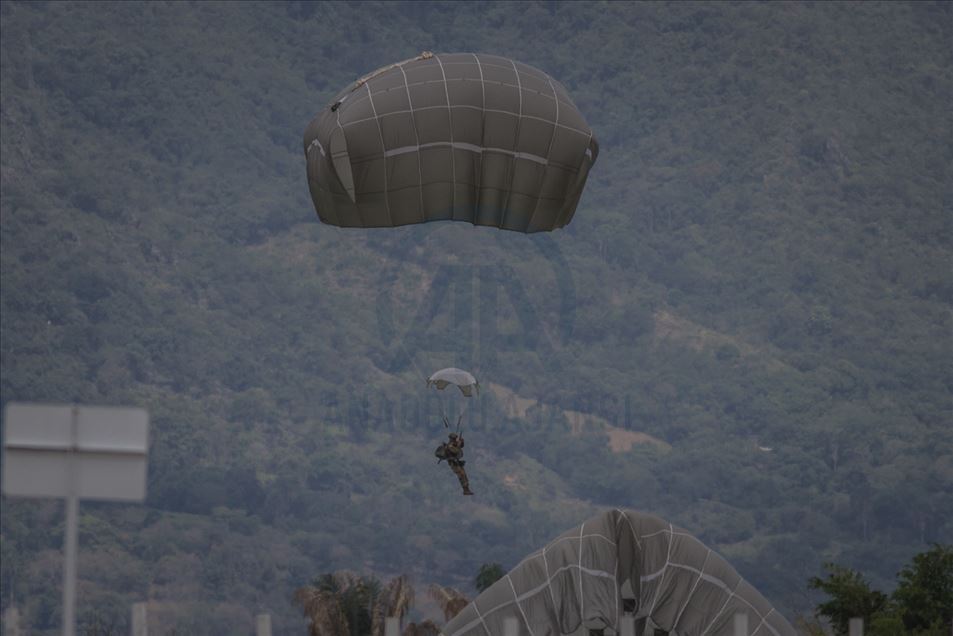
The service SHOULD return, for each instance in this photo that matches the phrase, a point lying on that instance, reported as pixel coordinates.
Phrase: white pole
(511, 626)
(11, 621)
(741, 624)
(140, 625)
(69, 547)
(263, 625)
(627, 625)
(69, 566)
(391, 626)
(856, 627)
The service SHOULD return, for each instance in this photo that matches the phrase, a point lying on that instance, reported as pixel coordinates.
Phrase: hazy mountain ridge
(763, 252)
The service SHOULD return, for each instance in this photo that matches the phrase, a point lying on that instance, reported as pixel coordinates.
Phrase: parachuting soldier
(452, 451)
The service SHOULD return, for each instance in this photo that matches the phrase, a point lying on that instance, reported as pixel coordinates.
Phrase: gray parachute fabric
(578, 582)
(462, 379)
(461, 136)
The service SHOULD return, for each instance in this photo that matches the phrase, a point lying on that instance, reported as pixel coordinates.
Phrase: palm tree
(323, 608)
(339, 604)
(345, 604)
(395, 599)
(451, 601)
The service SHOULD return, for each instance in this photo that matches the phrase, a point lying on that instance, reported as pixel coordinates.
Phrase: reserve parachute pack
(441, 452)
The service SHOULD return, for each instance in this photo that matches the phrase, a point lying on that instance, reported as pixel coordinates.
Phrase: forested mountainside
(746, 329)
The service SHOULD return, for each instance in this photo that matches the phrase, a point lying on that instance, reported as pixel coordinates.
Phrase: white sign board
(89, 452)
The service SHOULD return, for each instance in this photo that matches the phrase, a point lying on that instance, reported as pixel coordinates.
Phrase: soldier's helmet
(453, 436)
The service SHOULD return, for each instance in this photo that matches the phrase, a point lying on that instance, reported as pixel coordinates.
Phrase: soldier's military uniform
(454, 451)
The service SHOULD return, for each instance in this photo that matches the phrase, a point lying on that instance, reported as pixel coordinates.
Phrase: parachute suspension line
(413, 119)
(549, 579)
(465, 382)
(727, 600)
(446, 420)
(582, 596)
(479, 180)
(443, 414)
(577, 184)
(380, 131)
(549, 152)
(453, 160)
(463, 411)
(480, 616)
(511, 173)
(347, 157)
(691, 593)
(516, 599)
(668, 559)
(764, 619)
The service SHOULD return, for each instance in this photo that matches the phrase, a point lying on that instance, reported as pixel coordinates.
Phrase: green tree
(922, 604)
(489, 574)
(357, 596)
(850, 596)
(924, 591)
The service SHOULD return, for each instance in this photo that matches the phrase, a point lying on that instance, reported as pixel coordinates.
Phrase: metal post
(627, 625)
(69, 566)
(140, 625)
(72, 532)
(11, 621)
(856, 627)
(263, 625)
(511, 626)
(391, 626)
(741, 624)
(112, 460)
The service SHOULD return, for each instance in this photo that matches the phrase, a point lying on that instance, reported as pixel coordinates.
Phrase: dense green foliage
(357, 601)
(921, 604)
(850, 597)
(488, 574)
(755, 295)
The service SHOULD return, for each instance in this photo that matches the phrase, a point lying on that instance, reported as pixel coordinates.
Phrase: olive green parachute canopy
(581, 580)
(461, 136)
(462, 379)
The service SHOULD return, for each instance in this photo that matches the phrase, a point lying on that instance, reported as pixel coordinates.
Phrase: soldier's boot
(466, 490)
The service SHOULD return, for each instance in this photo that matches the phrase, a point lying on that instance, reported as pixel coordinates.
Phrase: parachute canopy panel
(458, 377)
(458, 137)
(576, 583)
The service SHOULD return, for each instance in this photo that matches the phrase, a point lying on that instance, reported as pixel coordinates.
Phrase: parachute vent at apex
(577, 582)
(460, 137)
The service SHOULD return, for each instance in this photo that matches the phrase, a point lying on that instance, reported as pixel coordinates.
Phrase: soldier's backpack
(441, 452)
